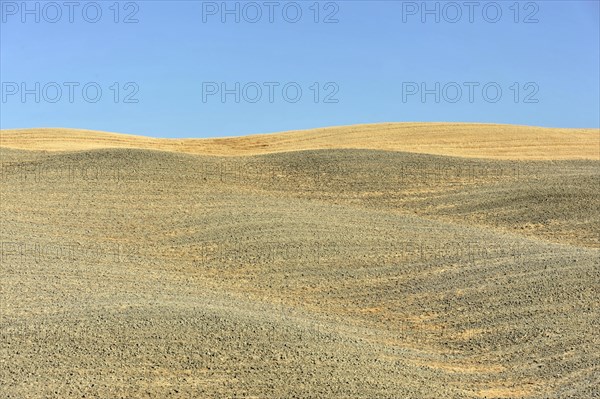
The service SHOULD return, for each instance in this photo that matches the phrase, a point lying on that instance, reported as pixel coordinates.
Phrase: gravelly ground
(313, 274)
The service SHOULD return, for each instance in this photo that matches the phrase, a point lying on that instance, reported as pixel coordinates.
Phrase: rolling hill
(452, 139)
(374, 261)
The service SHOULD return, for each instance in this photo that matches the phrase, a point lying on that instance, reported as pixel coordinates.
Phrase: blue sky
(161, 67)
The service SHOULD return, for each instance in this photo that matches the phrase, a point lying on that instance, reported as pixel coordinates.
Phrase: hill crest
(510, 142)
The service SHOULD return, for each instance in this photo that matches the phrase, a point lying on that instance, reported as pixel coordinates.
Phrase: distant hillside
(454, 139)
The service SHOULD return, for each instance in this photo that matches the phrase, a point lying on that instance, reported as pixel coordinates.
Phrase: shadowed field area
(375, 261)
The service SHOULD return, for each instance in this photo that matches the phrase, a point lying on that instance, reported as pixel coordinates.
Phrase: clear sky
(190, 69)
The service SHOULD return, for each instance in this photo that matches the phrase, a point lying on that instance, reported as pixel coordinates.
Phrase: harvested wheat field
(376, 261)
